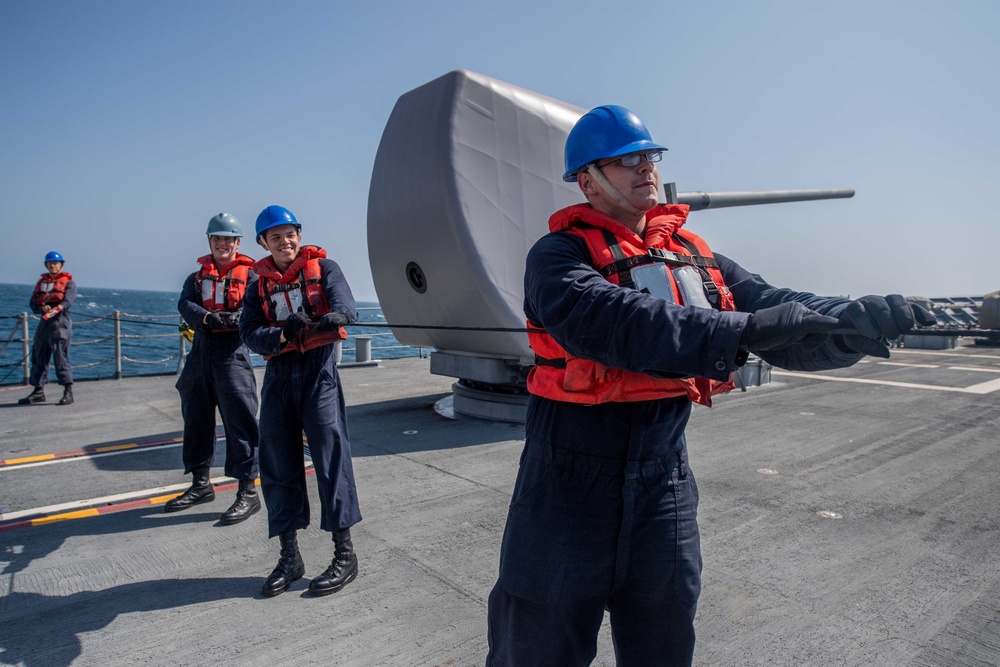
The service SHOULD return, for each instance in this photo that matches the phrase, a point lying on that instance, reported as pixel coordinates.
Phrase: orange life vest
(614, 251)
(298, 288)
(51, 289)
(223, 293)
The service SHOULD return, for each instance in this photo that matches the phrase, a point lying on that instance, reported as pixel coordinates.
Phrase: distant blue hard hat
(272, 216)
(603, 132)
(224, 224)
(54, 257)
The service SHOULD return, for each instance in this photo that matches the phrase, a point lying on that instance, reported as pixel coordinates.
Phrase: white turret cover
(466, 176)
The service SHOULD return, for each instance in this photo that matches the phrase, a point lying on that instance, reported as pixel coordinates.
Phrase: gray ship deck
(851, 520)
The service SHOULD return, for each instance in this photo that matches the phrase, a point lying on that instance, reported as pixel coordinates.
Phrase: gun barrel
(701, 200)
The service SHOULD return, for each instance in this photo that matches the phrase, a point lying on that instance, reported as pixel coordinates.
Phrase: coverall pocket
(243, 356)
(687, 575)
(531, 477)
(327, 376)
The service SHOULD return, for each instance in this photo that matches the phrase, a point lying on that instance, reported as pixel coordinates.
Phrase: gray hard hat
(224, 224)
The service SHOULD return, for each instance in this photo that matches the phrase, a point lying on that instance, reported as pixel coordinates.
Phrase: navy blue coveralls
(604, 509)
(52, 340)
(302, 393)
(217, 372)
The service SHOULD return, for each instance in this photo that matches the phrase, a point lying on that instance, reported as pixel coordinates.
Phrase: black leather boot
(289, 568)
(36, 396)
(201, 491)
(247, 504)
(342, 571)
(67, 397)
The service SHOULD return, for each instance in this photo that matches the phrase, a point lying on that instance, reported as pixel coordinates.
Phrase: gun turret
(699, 201)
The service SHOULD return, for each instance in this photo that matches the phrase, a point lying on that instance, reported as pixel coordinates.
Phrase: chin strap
(611, 191)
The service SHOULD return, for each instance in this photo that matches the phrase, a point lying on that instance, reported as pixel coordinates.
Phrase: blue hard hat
(603, 132)
(54, 257)
(272, 216)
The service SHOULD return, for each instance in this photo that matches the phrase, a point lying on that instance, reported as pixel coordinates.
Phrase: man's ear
(263, 245)
(586, 183)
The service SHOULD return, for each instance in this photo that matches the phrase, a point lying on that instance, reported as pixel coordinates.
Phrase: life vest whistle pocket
(653, 279)
(691, 286)
(585, 376)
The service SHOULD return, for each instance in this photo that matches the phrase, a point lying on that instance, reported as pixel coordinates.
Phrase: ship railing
(361, 346)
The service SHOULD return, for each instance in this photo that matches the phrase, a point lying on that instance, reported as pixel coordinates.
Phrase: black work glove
(294, 325)
(780, 326)
(877, 318)
(332, 321)
(214, 321)
(232, 319)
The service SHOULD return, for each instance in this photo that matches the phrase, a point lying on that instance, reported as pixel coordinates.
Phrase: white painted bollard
(362, 349)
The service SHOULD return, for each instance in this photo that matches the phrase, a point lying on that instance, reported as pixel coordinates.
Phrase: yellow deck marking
(115, 448)
(79, 514)
(30, 459)
(162, 499)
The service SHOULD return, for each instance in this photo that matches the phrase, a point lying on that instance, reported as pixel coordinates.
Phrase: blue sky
(127, 125)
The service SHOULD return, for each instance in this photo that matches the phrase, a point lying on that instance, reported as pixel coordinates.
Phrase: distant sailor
(633, 319)
(51, 300)
(295, 310)
(218, 374)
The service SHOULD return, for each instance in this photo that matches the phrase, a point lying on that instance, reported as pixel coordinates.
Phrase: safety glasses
(633, 159)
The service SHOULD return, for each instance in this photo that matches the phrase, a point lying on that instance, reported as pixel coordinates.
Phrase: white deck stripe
(974, 369)
(107, 500)
(907, 364)
(88, 457)
(943, 354)
(981, 388)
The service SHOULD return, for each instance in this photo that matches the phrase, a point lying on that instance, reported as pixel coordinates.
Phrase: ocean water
(150, 341)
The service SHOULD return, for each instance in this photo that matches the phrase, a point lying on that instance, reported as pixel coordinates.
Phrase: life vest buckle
(712, 291)
(668, 257)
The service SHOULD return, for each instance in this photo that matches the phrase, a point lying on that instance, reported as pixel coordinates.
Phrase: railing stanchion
(25, 347)
(118, 345)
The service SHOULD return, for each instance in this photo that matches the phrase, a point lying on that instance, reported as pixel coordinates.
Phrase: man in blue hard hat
(54, 294)
(218, 374)
(295, 311)
(633, 319)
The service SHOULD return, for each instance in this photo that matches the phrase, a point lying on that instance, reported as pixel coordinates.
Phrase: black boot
(342, 571)
(201, 491)
(36, 396)
(247, 504)
(67, 397)
(289, 568)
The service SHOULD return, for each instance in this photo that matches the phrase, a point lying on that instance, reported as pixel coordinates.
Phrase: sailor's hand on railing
(332, 321)
(294, 325)
(213, 321)
(878, 318)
